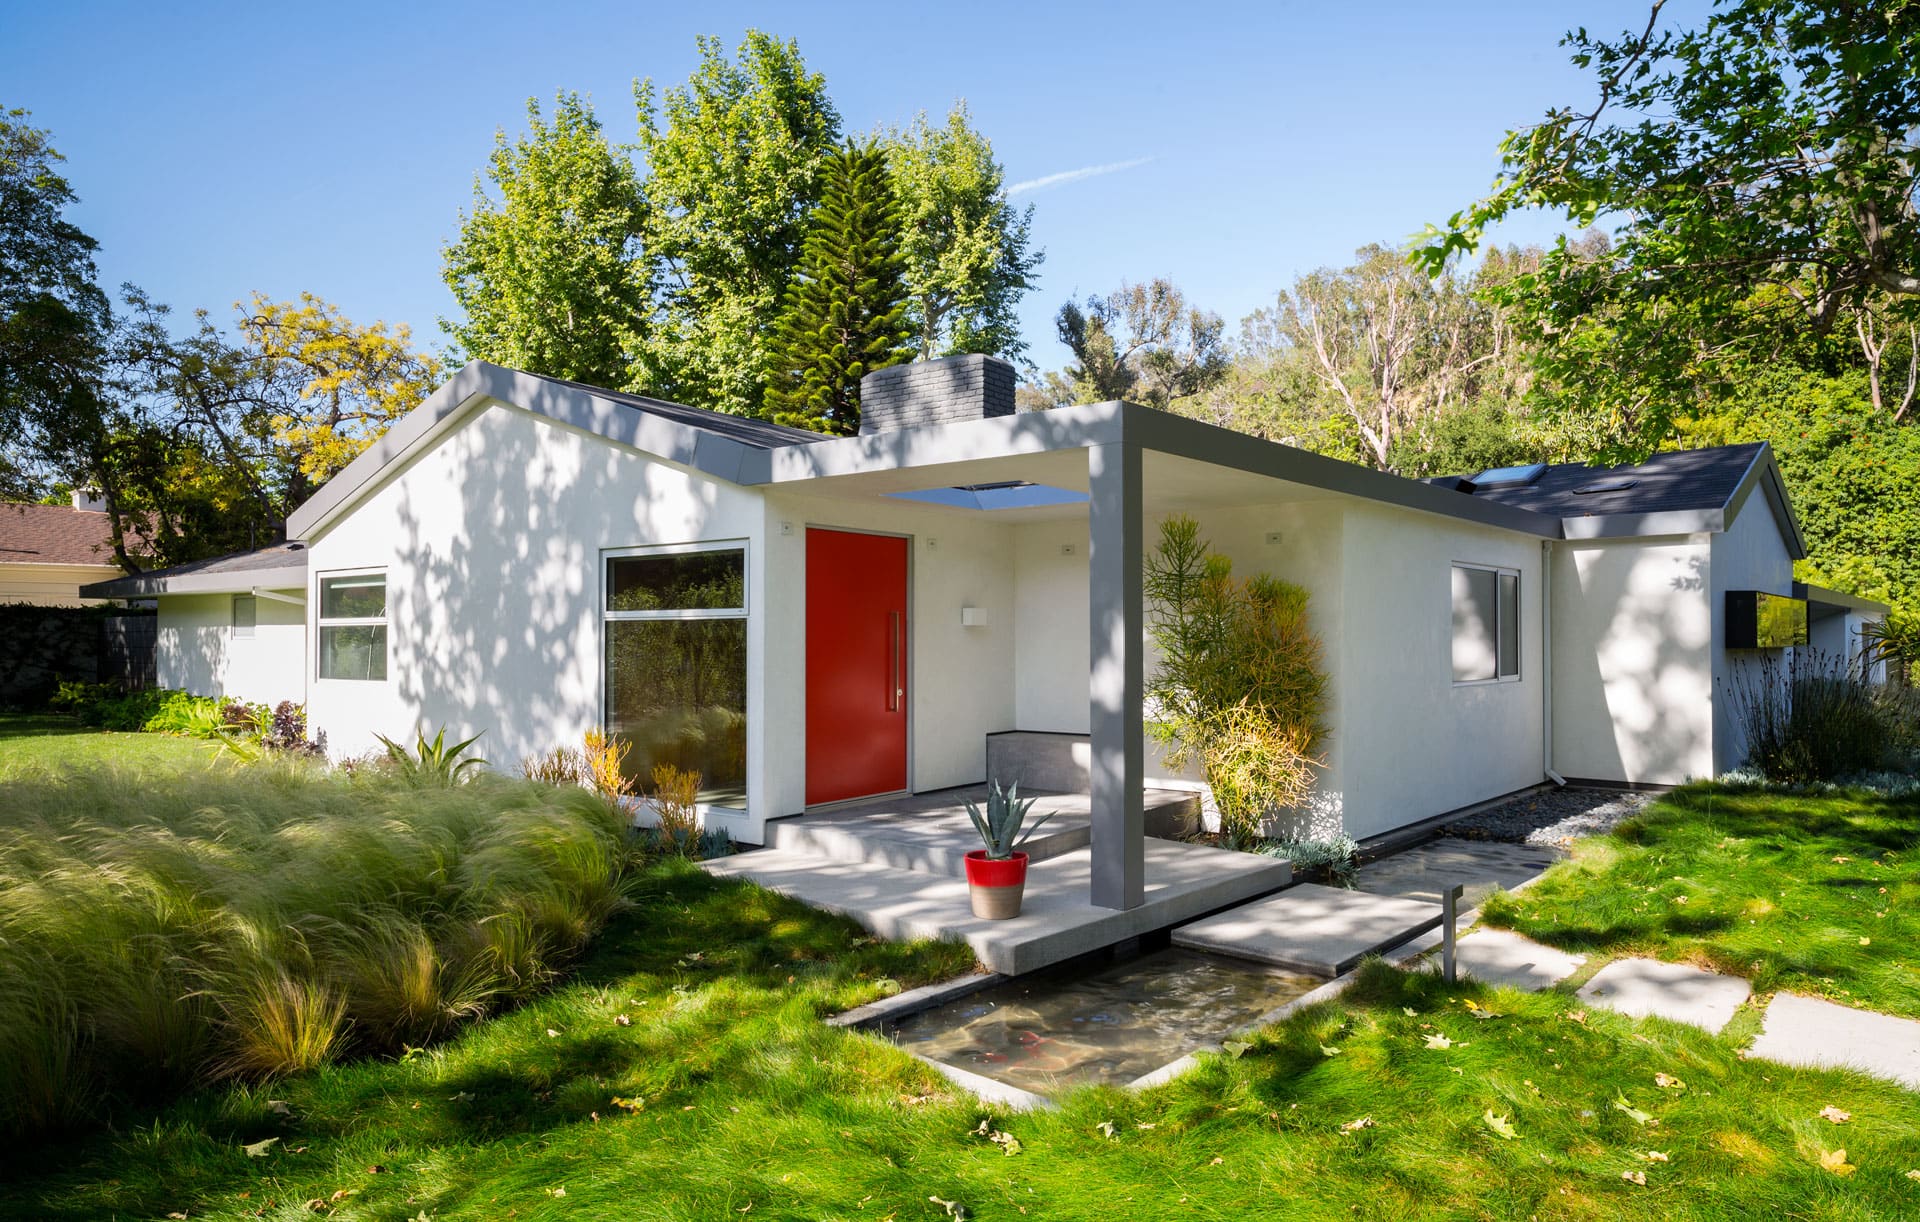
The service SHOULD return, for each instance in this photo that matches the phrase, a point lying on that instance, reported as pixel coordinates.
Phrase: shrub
(1240, 684)
(184, 713)
(286, 732)
(1337, 855)
(1811, 717)
(433, 763)
(162, 929)
(107, 706)
(677, 816)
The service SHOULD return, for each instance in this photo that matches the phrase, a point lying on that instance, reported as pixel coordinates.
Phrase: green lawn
(683, 1072)
(50, 740)
(1815, 895)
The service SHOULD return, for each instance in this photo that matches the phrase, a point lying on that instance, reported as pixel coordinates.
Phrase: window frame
(1499, 624)
(610, 554)
(742, 612)
(249, 630)
(322, 621)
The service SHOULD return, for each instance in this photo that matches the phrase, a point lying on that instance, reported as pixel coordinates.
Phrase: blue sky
(224, 148)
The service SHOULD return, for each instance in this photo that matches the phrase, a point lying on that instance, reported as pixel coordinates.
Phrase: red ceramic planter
(996, 887)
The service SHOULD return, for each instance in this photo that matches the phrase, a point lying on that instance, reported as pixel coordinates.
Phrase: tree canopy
(1760, 171)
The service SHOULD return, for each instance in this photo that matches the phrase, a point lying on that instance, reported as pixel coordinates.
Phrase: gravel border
(1554, 818)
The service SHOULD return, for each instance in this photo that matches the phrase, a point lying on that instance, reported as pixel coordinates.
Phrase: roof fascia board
(1181, 437)
(1851, 602)
(1060, 428)
(1764, 473)
(478, 381)
(234, 581)
(1631, 525)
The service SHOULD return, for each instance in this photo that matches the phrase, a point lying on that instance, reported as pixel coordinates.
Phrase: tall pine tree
(845, 314)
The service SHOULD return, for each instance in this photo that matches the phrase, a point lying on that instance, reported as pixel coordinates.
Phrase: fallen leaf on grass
(1578, 1016)
(1912, 1175)
(1439, 1043)
(1655, 1156)
(1354, 1126)
(1836, 1162)
(1633, 1113)
(1866, 941)
(1834, 1114)
(1145, 1124)
(259, 1149)
(630, 1105)
(1635, 1177)
(279, 1107)
(552, 1034)
(1327, 1051)
(1409, 1011)
(954, 1208)
(1008, 1143)
(556, 1192)
(182, 1217)
(621, 1020)
(1501, 1125)
(1237, 1047)
(1107, 1127)
(1668, 1081)
(1481, 1012)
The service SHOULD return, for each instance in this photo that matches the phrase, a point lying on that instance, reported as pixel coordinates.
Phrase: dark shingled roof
(1673, 481)
(54, 534)
(155, 581)
(762, 434)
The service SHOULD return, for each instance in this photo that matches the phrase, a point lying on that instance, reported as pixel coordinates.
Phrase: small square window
(1486, 624)
(245, 610)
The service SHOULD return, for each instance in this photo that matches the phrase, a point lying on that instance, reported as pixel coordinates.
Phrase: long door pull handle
(894, 691)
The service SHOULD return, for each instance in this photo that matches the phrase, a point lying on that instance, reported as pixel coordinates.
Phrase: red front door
(856, 665)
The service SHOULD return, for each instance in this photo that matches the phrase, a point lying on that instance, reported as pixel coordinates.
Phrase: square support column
(1116, 680)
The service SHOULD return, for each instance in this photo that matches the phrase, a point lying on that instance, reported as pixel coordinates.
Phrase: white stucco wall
(492, 542)
(1413, 743)
(1051, 626)
(1632, 679)
(195, 648)
(1750, 554)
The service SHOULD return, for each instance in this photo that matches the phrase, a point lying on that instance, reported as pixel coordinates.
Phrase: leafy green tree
(735, 158)
(969, 250)
(1142, 342)
(53, 316)
(845, 313)
(1762, 168)
(551, 275)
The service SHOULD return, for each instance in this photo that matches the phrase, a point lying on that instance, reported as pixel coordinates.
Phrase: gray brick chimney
(944, 391)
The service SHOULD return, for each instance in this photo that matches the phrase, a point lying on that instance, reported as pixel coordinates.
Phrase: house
(807, 620)
(47, 552)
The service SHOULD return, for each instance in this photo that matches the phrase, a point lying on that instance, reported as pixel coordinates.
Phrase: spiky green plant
(433, 763)
(999, 827)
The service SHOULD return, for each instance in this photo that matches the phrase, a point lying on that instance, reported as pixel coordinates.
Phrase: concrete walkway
(1310, 928)
(1803, 1031)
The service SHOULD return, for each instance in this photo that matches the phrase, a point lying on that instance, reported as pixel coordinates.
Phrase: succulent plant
(999, 827)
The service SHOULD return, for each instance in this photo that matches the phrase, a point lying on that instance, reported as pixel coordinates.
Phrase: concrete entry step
(1056, 922)
(930, 833)
(1311, 928)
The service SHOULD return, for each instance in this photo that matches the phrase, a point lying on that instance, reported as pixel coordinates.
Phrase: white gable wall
(1632, 678)
(492, 543)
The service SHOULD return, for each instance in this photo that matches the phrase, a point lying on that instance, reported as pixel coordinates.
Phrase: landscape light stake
(1449, 912)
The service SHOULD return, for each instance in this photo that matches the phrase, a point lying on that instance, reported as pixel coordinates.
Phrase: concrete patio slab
(1310, 928)
(1425, 871)
(1676, 991)
(1056, 923)
(1818, 1034)
(1498, 956)
(930, 832)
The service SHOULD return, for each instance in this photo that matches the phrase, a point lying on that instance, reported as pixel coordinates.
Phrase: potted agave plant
(997, 874)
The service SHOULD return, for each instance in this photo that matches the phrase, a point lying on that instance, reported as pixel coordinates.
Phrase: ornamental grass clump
(159, 930)
(1240, 685)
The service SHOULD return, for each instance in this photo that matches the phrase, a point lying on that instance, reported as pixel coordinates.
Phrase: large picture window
(353, 626)
(676, 666)
(1486, 624)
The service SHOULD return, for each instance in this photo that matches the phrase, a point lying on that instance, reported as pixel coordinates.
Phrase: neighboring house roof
(1673, 492)
(54, 534)
(280, 567)
(753, 452)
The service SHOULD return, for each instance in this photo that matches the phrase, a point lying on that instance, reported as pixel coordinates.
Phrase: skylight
(1617, 485)
(1506, 477)
(1006, 494)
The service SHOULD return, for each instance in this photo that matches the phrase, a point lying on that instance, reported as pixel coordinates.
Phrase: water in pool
(1108, 1023)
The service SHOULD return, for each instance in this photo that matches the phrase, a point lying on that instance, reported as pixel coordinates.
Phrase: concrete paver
(1310, 928)
(1499, 956)
(1819, 1034)
(1676, 991)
